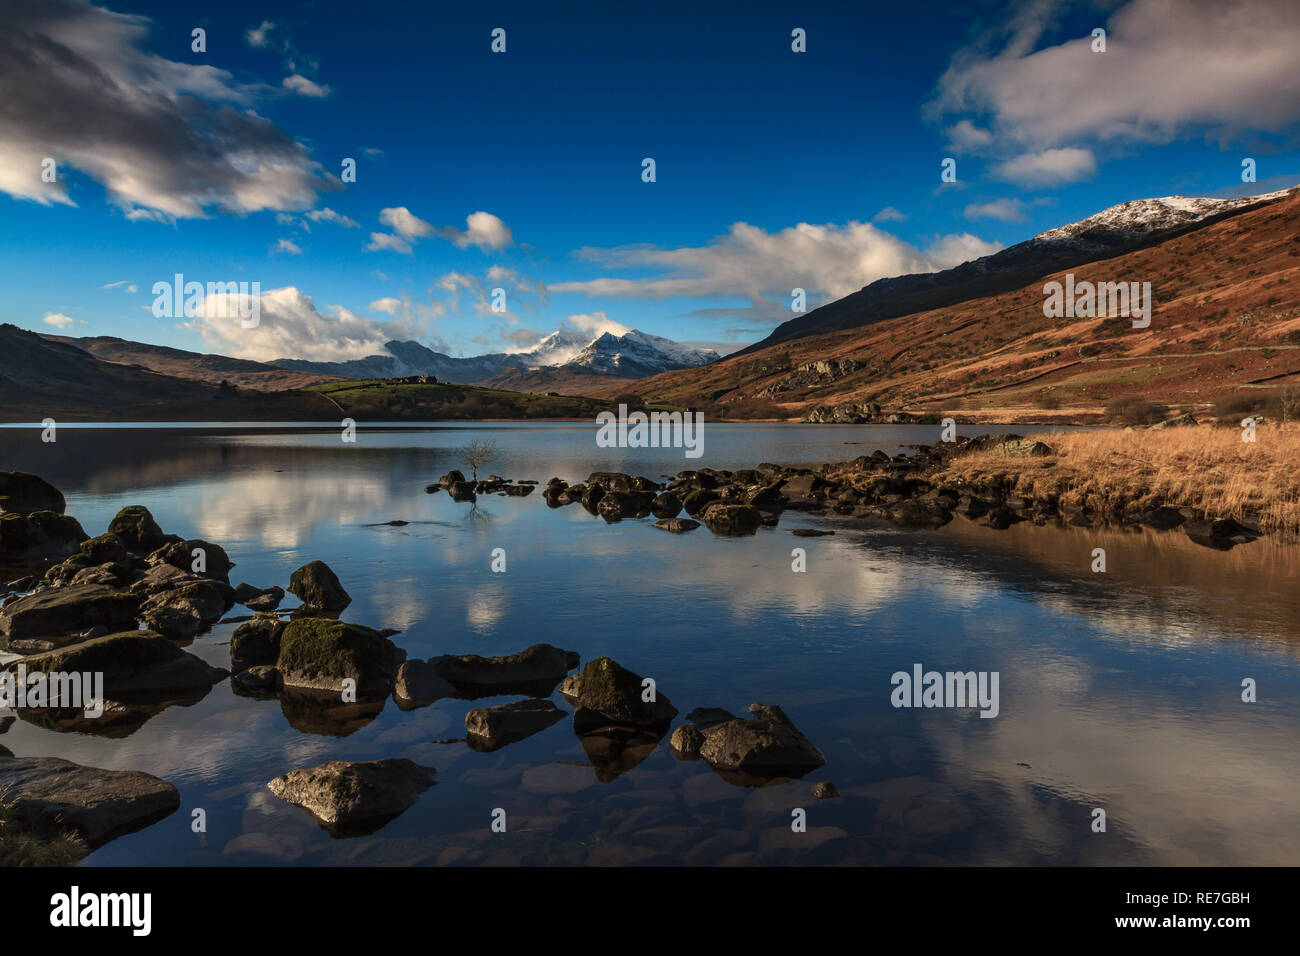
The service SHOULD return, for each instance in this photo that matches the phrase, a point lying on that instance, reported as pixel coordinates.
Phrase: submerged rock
(344, 794)
(677, 525)
(318, 587)
(46, 796)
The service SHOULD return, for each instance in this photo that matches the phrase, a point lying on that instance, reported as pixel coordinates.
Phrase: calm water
(1119, 691)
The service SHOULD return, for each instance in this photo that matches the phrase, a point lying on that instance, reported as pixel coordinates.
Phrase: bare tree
(1289, 402)
(478, 453)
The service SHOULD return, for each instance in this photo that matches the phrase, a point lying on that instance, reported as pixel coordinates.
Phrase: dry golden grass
(1125, 473)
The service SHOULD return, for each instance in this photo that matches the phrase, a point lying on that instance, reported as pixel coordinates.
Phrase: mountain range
(631, 354)
(1225, 274)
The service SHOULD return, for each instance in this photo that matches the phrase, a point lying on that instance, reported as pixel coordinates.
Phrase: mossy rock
(318, 587)
(319, 653)
(217, 563)
(612, 694)
(135, 526)
(105, 548)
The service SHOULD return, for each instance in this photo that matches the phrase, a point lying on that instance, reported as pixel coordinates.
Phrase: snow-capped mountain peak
(636, 353)
(1141, 217)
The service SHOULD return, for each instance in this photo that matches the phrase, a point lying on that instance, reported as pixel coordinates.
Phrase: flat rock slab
(47, 795)
(344, 794)
(57, 611)
(493, 727)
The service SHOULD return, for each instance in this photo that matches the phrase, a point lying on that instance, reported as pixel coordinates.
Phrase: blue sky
(523, 170)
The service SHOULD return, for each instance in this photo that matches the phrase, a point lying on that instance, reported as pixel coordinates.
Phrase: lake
(1119, 691)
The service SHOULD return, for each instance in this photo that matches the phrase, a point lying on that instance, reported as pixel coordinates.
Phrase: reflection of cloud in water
(486, 607)
(1183, 786)
(282, 511)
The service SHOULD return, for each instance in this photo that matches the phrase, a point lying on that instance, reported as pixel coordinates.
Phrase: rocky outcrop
(318, 587)
(21, 493)
(47, 796)
(767, 745)
(320, 653)
(348, 796)
(136, 528)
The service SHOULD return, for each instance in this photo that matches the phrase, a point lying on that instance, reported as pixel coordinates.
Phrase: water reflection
(1119, 690)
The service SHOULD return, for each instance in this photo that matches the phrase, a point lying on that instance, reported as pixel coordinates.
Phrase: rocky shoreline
(903, 490)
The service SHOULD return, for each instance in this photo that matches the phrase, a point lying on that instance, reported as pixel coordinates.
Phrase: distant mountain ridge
(632, 354)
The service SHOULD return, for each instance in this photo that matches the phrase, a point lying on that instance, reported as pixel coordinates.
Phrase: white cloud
(404, 222)
(387, 304)
(380, 241)
(305, 87)
(59, 320)
(1172, 69)
(165, 139)
(964, 135)
(889, 214)
(290, 326)
(285, 245)
(1007, 210)
(483, 230)
(1050, 167)
(122, 284)
(329, 215)
(752, 263)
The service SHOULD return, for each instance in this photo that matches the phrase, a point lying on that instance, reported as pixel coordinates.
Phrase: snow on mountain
(1142, 217)
(633, 354)
(638, 354)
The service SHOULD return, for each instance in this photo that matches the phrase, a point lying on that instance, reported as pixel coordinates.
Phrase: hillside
(1226, 328)
(41, 378)
(197, 366)
(1112, 232)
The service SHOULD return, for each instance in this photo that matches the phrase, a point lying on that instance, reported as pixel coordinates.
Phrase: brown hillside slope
(1227, 321)
(196, 366)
